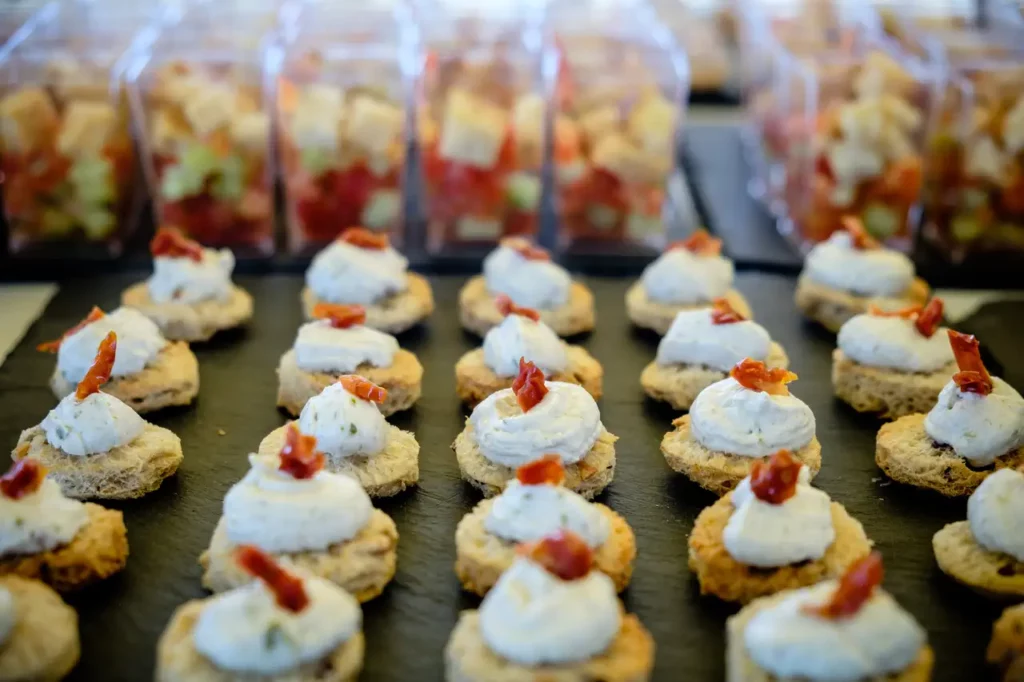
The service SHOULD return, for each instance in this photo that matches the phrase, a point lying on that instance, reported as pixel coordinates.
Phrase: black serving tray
(407, 627)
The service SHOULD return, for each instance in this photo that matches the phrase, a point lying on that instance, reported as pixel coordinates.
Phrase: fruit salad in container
(342, 138)
(865, 158)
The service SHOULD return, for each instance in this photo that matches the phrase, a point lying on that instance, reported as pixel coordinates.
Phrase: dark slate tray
(407, 627)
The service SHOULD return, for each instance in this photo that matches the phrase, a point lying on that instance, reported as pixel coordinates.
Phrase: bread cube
(210, 107)
(985, 160)
(373, 124)
(882, 74)
(168, 131)
(652, 123)
(473, 131)
(850, 162)
(88, 127)
(1013, 128)
(599, 122)
(27, 120)
(317, 119)
(251, 132)
(619, 156)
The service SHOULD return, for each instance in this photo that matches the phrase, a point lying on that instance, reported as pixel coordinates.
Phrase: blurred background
(601, 128)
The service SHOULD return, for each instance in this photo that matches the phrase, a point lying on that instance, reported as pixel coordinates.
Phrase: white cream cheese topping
(894, 343)
(342, 273)
(139, 341)
(524, 513)
(183, 280)
(693, 339)
(344, 425)
(319, 347)
(978, 428)
(530, 283)
(92, 426)
(520, 337)
(995, 511)
(836, 263)
(681, 277)
(39, 521)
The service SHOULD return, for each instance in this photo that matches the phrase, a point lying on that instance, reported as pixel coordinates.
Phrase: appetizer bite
(1006, 649)
(738, 421)
(96, 446)
(38, 631)
(533, 418)
(361, 268)
(522, 334)
(530, 508)
(338, 342)
(354, 437)
(149, 372)
(892, 363)
(285, 626)
(550, 616)
(845, 629)
(986, 552)
(691, 274)
(773, 532)
(525, 274)
(701, 347)
(976, 427)
(190, 296)
(310, 519)
(852, 271)
(46, 536)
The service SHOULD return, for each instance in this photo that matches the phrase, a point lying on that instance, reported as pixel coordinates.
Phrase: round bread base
(126, 472)
(588, 477)
(98, 551)
(384, 474)
(475, 380)
(171, 379)
(887, 392)
(740, 667)
(481, 557)
(719, 472)
(43, 645)
(403, 380)
(992, 574)
(362, 565)
(191, 321)
(907, 454)
(831, 308)
(394, 314)
(679, 384)
(629, 658)
(478, 313)
(177, 659)
(726, 578)
(650, 314)
(1006, 649)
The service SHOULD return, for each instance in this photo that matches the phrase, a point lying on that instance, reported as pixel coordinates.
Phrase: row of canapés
(541, 448)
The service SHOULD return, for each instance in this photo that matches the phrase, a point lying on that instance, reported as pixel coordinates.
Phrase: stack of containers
(198, 95)
(67, 154)
(619, 103)
(342, 105)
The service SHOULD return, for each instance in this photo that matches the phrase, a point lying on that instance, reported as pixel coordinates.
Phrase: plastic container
(342, 106)
(198, 96)
(695, 27)
(70, 183)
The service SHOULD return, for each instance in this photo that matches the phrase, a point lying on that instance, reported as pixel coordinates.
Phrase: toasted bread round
(171, 379)
(191, 321)
(482, 557)
(43, 645)
(177, 659)
(362, 566)
(740, 667)
(678, 385)
(726, 578)
(888, 392)
(719, 472)
(394, 314)
(650, 314)
(475, 380)
(467, 658)
(124, 473)
(907, 454)
(588, 477)
(403, 380)
(831, 308)
(1006, 649)
(98, 551)
(992, 574)
(382, 475)
(478, 312)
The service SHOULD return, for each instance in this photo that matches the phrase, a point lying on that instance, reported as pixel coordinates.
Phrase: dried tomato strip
(774, 481)
(908, 313)
(299, 457)
(546, 470)
(754, 375)
(53, 346)
(525, 248)
(22, 479)
(722, 312)
(929, 319)
(529, 385)
(363, 388)
(861, 239)
(563, 554)
(362, 238)
(854, 589)
(972, 377)
(289, 592)
(341, 316)
(172, 243)
(102, 366)
(506, 307)
(700, 242)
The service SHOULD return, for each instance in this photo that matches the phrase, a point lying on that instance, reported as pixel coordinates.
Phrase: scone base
(649, 314)
(44, 644)
(475, 380)
(191, 322)
(889, 393)
(478, 312)
(831, 308)
(991, 574)
(394, 314)
(1006, 649)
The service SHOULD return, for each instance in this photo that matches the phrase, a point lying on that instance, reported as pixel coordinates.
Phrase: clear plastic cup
(696, 28)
